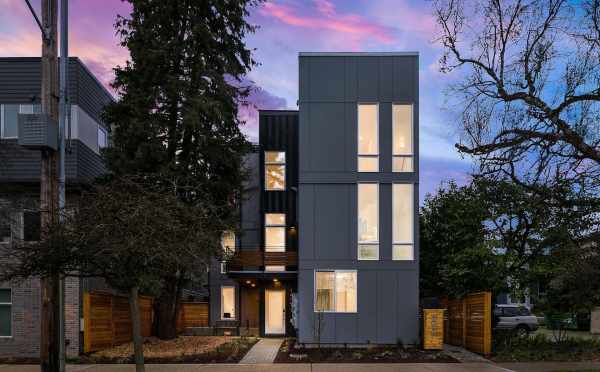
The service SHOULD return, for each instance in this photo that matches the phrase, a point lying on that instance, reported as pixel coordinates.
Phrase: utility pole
(50, 286)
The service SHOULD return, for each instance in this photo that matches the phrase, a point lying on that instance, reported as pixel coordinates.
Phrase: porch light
(253, 285)
(247, 282)
(275, 280)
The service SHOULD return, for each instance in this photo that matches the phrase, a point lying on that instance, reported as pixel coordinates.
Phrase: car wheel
(522, 331)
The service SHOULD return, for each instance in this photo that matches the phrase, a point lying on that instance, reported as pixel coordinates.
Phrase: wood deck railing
(242, 260)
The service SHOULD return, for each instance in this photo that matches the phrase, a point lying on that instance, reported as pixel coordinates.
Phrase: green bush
(542, 348)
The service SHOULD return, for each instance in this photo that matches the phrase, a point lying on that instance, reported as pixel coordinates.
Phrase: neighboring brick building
(20, 86)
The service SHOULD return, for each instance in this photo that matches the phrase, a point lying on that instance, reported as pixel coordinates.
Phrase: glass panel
(5, 233)
(275, 177)
(403, 252)
(228, 241)
(367, 130)
(275, 157)
(5, 320)
(368, 164)
(403, 213)
(10, 122)
(5, 296)
(368, 212)
(275, 219)
(402, 164)
(228, 302)
(30, 109)
(345, 291)
(101, 138)
(31, 226)
(325, 283)
(275, 239)
(274, 268)
(402, 122)
(368, 252)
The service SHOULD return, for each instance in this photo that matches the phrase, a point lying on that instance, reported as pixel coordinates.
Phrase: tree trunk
(136, 328)
(168, 307)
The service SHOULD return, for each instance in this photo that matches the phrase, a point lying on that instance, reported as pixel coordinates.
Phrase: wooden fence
(469, 322)
(107, 320)
(192, 314)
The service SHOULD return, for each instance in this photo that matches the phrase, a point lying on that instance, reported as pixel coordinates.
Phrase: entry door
(275, 311)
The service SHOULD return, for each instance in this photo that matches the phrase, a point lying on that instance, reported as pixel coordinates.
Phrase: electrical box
(38, 131)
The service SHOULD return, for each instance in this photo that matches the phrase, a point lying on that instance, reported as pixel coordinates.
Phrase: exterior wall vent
(38, 131)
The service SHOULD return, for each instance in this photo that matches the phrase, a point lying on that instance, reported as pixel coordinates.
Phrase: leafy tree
(528, 93)
(177, 113)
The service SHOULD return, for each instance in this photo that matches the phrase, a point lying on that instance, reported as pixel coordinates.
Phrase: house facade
(20, 86)
(328, 248)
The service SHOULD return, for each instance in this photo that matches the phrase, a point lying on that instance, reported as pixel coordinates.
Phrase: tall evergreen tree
(177, 113)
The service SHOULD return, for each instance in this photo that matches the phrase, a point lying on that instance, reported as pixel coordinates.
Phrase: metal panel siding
(387, 290)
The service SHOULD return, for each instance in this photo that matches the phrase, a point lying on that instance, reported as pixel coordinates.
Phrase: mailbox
(38, 131)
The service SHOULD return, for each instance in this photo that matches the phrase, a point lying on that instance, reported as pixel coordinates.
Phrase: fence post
(487, 325)
(463, 302)
(87, 324)
(112, 321)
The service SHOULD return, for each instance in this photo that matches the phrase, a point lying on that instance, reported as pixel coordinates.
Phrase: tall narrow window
(5, 312)
(403, 222)
(227, 303)
(368, 221)
(102, 138)
(274, 170)
(274, 237)
(335, 291)
(368, 138)
(402, 117)
(9, 121)
(228, 246)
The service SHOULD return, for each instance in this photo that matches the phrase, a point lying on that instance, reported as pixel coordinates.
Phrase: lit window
(227, 303)
(275, 232)
(5, 312)
(403, 224)
(274, 268)
(368, 221)
(368, 138)
(335, 291)
(102, 138)
(402, 117)
(228, 246)
(274, 170)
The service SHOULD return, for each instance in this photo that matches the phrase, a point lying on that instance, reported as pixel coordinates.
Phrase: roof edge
(358, 54)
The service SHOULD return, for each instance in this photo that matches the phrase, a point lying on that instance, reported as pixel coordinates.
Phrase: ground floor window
(5, 312)
(335, 291)
(227, 303)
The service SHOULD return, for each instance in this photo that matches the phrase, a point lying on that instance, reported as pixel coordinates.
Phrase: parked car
(515, 317)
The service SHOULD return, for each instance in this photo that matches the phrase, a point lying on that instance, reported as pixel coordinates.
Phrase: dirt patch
(288, 353)
(183, 349)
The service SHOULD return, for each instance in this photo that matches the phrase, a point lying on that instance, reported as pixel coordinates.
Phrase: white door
(275, 311)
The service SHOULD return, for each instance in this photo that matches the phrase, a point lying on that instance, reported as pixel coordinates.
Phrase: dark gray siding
(331, 86)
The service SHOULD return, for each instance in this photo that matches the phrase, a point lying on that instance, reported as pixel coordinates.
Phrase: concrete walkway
(264, 351)
(463, 355)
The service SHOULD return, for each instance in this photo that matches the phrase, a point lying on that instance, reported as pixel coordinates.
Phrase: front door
(275, 311)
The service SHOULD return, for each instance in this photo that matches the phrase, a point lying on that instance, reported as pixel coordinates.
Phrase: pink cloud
(327, 18)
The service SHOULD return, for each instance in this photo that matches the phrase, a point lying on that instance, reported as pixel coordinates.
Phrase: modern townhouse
(328, 248)
(20, 86)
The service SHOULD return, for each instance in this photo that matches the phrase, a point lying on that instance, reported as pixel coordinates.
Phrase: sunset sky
(286, 28)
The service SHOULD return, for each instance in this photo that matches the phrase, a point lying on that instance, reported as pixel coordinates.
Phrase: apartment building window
(403, 222)
(9, 118)
(368, 221)
(5, 232)
(31, 226)
(275, 237)
(402, 122)
(228, 246)
(335, 291)
(102, 138)
(5, 312)
(227, 302)
(274, 170)
(368, 138)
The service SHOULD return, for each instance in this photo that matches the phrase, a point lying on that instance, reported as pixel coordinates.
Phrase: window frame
(358, 241)
(10, 306)
(105, 132)
(358, 153)
(410, 155)
(334, 271)
(226, 248)
(284, 165)
(275, 226)
(234, 307)
(403, 243)
(3, 123)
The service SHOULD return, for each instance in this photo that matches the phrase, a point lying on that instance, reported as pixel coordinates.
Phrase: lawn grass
(542, 348)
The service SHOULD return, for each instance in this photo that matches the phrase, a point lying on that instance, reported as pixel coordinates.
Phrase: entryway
(275, 311)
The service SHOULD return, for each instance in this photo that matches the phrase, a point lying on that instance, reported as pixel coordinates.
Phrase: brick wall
(26, 306)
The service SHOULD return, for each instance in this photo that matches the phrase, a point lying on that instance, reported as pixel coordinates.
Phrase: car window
(510, 311)
(523, 311)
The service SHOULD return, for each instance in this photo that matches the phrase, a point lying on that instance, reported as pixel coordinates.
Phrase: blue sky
(286, 27)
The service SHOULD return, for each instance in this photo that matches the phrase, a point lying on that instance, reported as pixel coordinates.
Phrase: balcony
(256, 260)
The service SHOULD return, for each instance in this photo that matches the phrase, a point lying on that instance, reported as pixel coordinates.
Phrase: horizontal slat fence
(192, 314)
(469, 322)
(107, 320)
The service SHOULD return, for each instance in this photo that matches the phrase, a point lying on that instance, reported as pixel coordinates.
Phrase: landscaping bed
(183, 349)
(288, 353)
(542, 348)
